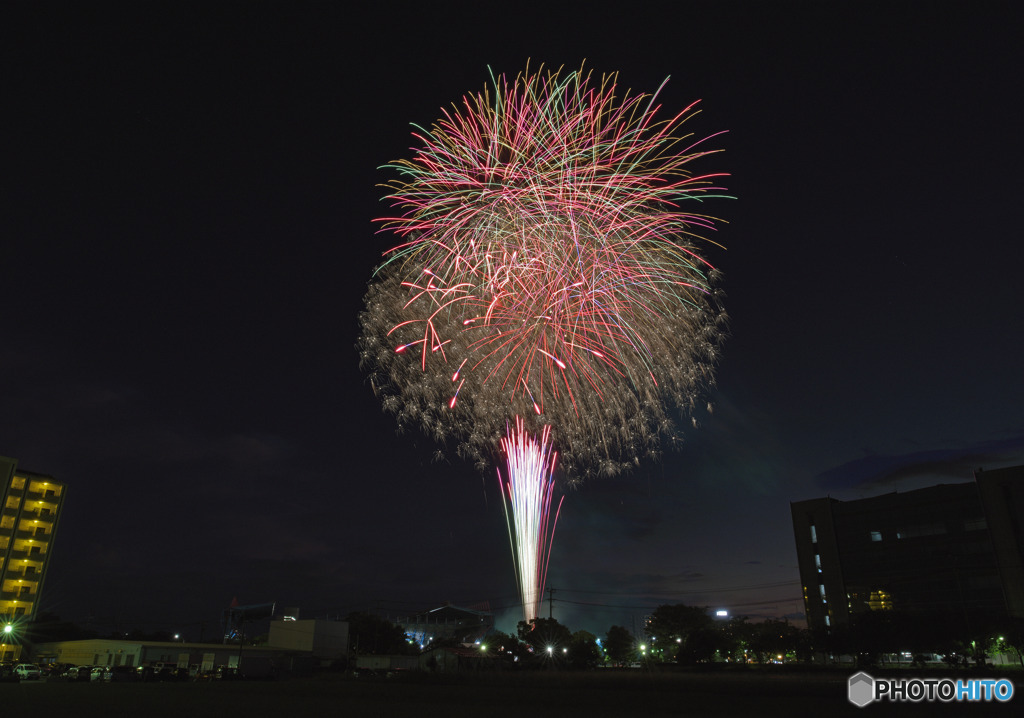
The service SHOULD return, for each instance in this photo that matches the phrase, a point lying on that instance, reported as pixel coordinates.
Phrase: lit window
(828, 621)
(876, 535)
(817, 562)
(814, 534)
(879, 600)
(821, 589)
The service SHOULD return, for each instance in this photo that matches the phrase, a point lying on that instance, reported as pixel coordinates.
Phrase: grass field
(601, 693)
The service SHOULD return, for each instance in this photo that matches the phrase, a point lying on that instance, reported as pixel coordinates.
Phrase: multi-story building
(953, 549)
(29, 512)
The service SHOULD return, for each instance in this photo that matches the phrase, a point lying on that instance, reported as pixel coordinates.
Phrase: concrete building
(30, 509)
(953, 549)
(293, 647)
(197, 658)
(326, 641)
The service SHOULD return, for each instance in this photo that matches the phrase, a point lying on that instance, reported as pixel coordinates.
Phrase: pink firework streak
(529, 488)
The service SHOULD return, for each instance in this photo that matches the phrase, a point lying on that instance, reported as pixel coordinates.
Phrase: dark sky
(186, 206)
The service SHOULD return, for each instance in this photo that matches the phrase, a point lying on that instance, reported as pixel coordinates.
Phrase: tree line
(689, 635)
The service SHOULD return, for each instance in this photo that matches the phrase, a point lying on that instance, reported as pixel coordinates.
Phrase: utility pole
(551, 602)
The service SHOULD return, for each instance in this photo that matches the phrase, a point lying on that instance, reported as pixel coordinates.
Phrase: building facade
(952, 549)
(197, 658)
(30, 509)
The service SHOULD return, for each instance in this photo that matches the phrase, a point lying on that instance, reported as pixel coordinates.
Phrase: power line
(686, 591)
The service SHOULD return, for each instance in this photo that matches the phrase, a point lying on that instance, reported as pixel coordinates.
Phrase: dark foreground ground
(600, 693)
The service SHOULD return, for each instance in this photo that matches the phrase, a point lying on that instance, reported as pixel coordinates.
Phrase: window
(814, 534)
(821, 590)
(876, 535)
(817, 562)
(828, 620)
(880, 600)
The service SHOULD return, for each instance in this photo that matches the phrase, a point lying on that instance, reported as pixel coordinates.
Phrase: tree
(772, 638)
(689, 629)
(584, 653)
(548, 639)
(369, 634)
(702, 644)
(505, 646)
(620, 645)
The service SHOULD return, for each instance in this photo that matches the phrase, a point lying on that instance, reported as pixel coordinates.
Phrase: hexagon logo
(861, 689)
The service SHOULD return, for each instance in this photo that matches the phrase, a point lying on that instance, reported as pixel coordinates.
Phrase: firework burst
(548, 270)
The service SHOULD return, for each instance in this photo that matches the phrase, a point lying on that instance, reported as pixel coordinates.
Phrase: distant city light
(721, 613)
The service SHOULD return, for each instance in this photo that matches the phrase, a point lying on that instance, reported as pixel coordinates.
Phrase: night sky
(186, 206)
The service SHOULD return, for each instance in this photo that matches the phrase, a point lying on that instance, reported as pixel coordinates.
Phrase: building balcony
(23, 572)
(31, 535)
(17, 596)
(30, 526)
(45, 496)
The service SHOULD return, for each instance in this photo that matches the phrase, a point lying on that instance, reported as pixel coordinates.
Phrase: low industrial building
(293, 647)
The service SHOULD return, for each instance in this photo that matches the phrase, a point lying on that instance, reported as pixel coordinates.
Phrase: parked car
(96, 674)
(224, 673)
(77, 674)
(28, 672)
(171, 673)
(120, 674)
(55, 670)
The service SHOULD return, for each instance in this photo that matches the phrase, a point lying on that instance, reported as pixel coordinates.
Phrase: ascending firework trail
(547, 288)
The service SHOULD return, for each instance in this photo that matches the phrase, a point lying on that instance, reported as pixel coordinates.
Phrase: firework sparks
(529, 489)
(548, 261)
(548, 269)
